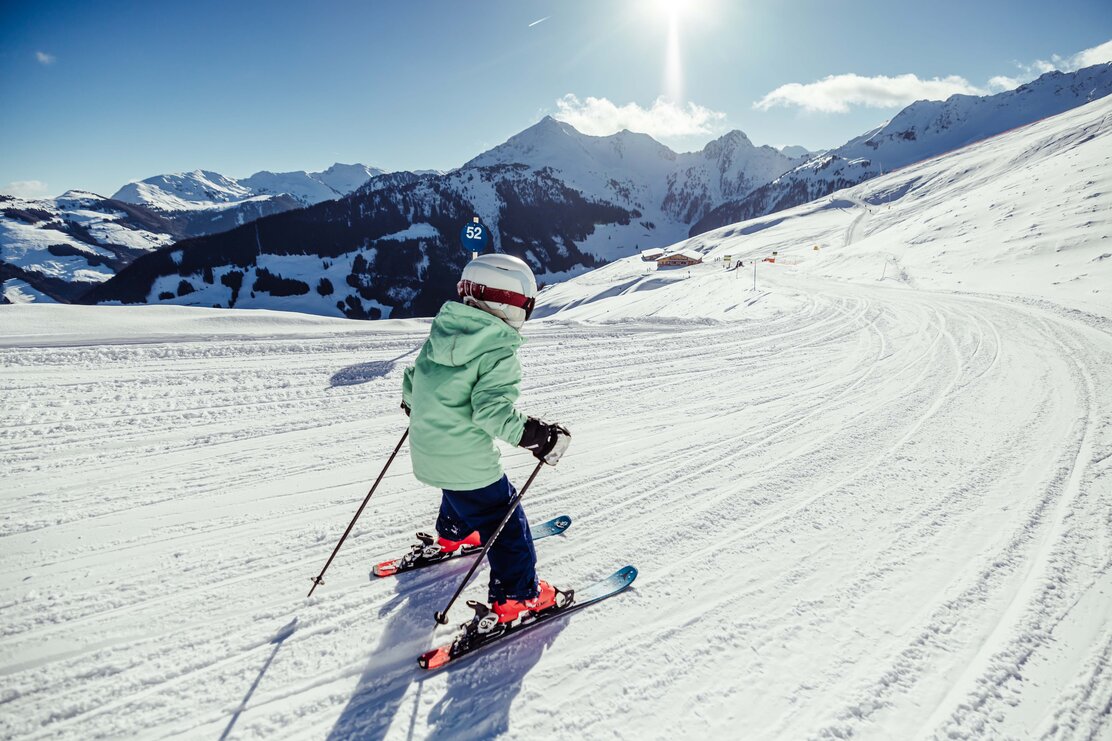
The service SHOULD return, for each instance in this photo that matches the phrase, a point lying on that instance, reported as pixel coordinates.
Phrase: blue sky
(99, 93)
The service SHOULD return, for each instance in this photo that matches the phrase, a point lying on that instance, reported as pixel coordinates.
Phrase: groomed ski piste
(871, 498)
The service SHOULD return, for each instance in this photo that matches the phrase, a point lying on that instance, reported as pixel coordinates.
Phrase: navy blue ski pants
(513, 561)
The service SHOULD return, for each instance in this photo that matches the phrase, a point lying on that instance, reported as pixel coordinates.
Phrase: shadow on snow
(480, 690)
(283, 633)
(364, 372)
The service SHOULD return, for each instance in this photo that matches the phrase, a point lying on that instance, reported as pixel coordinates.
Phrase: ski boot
(548, 596)
(505, 616)
(428, 549)
(470, 543)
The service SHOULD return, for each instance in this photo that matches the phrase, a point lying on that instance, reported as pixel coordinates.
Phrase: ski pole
(442, 616)
(320, 579)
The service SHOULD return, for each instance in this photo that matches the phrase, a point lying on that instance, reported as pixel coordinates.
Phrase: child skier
(460, 396)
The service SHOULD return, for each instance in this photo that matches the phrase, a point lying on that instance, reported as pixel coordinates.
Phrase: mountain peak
(727, 144)
(549, 126)
(735, 136)
(795, 151)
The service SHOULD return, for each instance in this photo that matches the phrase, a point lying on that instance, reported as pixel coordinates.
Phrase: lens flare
(674, 14)
(673, 66)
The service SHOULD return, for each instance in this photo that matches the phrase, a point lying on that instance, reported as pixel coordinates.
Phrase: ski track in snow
(877, 513)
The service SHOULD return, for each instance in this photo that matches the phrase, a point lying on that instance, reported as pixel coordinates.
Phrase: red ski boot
(511, 609)
(451, 546)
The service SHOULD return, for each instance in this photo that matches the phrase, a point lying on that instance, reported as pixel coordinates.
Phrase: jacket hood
(461, 333)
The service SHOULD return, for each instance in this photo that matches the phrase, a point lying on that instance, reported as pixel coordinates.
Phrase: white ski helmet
(499, 284)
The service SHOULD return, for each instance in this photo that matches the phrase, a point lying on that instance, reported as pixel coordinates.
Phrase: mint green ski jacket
(461, 394)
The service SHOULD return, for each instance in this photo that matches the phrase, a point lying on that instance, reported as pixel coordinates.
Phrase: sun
(674, 10)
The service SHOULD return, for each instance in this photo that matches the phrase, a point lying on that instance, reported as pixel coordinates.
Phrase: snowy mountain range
(202, 189)
(564, 201)
(635, 171)
(377, 253)
(922, 130)
(56, 248)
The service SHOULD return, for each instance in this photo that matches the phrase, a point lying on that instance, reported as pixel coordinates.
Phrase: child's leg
(449, 524)
(513, 561)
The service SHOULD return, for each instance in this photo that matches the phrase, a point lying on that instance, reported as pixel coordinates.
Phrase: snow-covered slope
(1028, 213)
(861, 508)
(344, 179)
(922, 130)
(54, 249)
(797, 152)
(313, 187)
(57, 248)
(184, 191)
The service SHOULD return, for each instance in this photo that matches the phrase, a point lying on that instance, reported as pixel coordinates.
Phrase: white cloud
(1027, 72)
(1087, 58)
(45, 58)
(664, 119)
(25, 188)
(836, 93)
(1001, 83)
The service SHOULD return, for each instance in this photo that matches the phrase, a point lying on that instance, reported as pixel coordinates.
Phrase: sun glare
(670, 10)
(678, 19)
(673, 12)
(673, 66)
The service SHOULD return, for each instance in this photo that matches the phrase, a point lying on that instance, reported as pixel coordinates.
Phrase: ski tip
(626, 574)
(561, 523)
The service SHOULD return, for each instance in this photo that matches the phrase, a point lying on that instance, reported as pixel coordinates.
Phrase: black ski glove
(405, 408)
(546, 441)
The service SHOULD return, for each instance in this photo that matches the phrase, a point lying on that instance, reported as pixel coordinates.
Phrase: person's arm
(493, 398)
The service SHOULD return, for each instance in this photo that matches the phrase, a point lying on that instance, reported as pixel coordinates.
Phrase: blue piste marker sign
(474, 236)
